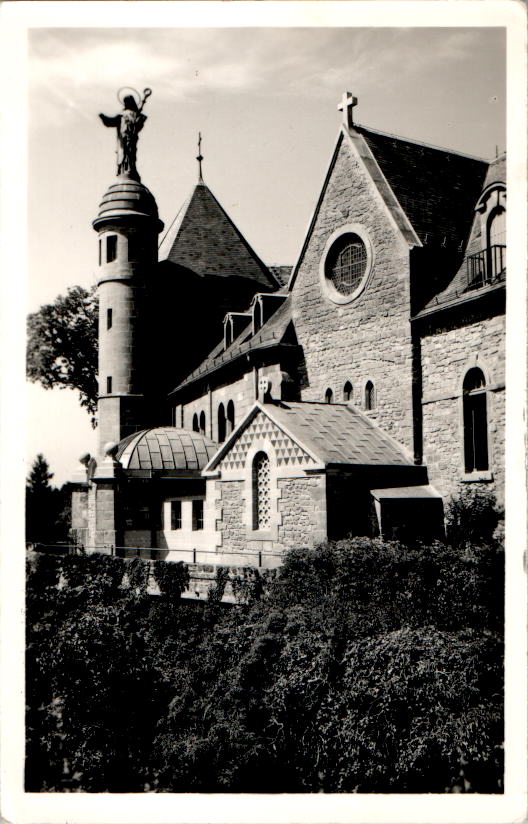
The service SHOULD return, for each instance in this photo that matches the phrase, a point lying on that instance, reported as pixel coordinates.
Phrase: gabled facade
(352, 393)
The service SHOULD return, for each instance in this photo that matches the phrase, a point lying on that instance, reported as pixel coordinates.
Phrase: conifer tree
(44, 506)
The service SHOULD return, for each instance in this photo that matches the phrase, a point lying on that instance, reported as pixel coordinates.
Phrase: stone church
(349, 394)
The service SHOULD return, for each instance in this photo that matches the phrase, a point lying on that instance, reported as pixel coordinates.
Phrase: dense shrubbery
(472, 515)
(361, 666)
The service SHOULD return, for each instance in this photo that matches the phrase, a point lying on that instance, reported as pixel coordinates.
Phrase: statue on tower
(128, 124)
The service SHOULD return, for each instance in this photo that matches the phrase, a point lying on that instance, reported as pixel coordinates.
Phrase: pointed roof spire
(203, 238)
(199, 158)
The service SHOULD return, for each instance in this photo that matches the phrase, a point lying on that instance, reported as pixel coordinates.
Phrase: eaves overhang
(459, 300)
(245, 350)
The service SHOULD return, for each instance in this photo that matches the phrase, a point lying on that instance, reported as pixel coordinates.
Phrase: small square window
(111, 248)
(176, 515)
(197, 514)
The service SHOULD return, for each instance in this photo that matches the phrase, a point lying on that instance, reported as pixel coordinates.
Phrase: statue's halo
(126, 90)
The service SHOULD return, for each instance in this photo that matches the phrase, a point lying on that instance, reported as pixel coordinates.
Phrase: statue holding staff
(128, 124)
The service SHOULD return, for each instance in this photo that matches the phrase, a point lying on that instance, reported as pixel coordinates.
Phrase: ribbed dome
(166, 448)
(127, 197)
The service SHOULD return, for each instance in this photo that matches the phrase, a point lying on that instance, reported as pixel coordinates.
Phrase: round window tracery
(346, 264)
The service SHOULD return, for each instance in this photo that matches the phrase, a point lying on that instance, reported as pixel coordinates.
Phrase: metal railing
(487, 266)
(136, 551)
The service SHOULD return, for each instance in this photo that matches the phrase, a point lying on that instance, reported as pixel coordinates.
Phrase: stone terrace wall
(446, 357)
(370, 337)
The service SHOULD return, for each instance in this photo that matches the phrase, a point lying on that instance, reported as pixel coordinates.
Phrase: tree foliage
(360, 666)
(63, 345)
(47, 508)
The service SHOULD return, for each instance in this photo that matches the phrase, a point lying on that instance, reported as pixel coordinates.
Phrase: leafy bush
(359, 666)
(472, 516)
(367, 667)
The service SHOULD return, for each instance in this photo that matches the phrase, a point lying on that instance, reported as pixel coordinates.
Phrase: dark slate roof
(203, 238)
(271, 333)
(330, 433)
(165, 448)
(338, 433)
(437, 188)
(458, 289)
(281, 273)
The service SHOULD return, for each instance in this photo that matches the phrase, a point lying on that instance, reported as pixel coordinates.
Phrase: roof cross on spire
(348, 101)
(199, 158)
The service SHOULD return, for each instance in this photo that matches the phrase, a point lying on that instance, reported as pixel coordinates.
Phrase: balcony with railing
(486, 267)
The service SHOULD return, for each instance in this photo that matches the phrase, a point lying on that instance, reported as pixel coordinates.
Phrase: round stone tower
(128, 226)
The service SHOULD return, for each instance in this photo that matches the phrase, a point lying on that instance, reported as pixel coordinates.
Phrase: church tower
(128, 226)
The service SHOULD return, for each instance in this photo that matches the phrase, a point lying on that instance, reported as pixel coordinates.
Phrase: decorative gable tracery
(287, 452)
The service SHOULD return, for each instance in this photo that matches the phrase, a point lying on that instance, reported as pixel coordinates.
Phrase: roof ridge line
(424, 143)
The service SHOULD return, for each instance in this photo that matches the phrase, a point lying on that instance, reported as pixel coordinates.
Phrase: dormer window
(489, 264)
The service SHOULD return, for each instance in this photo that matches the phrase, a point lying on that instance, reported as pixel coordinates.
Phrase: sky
(265, 101)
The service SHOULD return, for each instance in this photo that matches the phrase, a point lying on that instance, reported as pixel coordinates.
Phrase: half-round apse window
(346, 263)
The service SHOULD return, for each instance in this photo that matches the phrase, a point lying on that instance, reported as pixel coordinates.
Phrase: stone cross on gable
(348, 101)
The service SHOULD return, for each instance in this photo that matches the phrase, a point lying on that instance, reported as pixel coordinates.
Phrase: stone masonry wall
(105, 514)
(446, 357)
(369, 338)
(301, 518)
(231, 524)
(302, 507)
(241, 392)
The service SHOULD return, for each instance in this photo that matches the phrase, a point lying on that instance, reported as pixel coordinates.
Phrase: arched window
(370, 395)
(202, 423)
(475, 421)
(221, 423)
(329, 395)
(230, 417)
(195, 425)
(261, 491)
(496, 242)
(347, 391)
